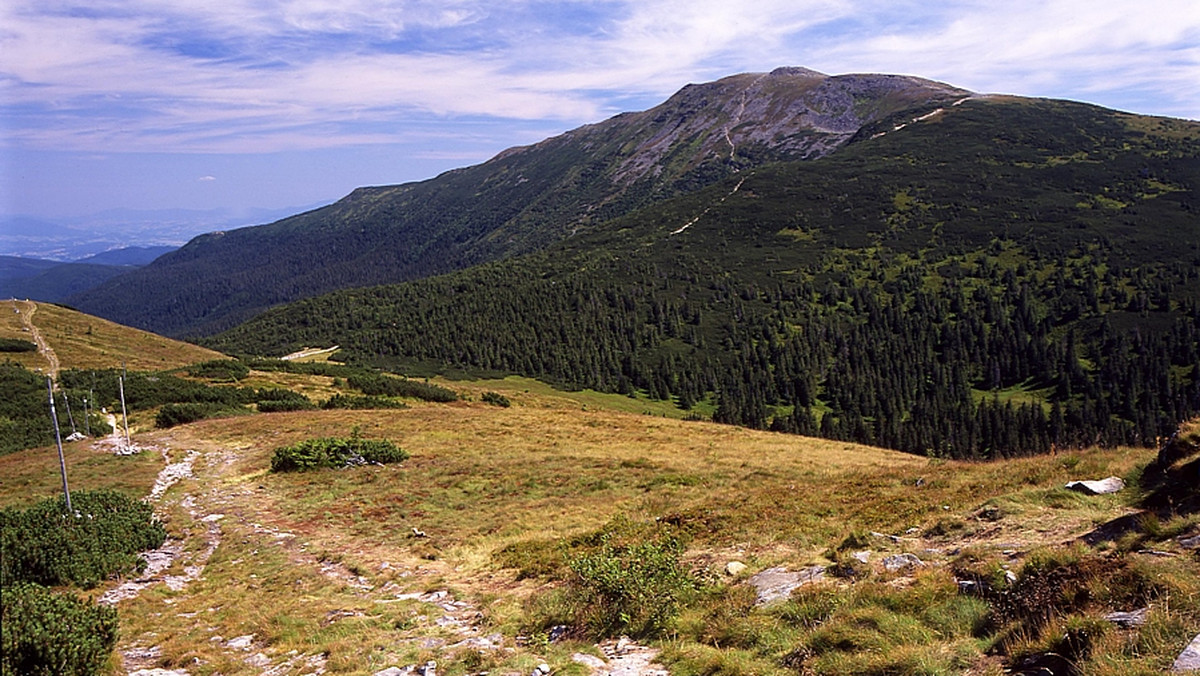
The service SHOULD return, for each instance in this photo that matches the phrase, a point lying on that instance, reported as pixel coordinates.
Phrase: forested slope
(1003, 277)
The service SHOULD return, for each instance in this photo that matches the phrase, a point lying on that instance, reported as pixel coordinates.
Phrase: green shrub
(342, 401)
(220, 370)
(44, 633)
(335, 452)
(44, 544)
(275, 400)
(387, 386)
(496, 399)
(171, 415)
(629, 588)
(17, 345)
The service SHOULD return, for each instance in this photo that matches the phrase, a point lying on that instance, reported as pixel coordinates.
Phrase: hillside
(481, 551)
(1002, 277)
(79, 341)
(520, 201)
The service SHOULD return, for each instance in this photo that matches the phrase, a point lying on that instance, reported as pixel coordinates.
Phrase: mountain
(521, 201)
(131, 255)
(53, 281)
(998, 276)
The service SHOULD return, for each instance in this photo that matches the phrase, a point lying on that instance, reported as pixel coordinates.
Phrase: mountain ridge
(518, 202)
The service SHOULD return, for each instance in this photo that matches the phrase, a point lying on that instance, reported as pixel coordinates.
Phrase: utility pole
(124, 415)
(67, 403)
(62, 463)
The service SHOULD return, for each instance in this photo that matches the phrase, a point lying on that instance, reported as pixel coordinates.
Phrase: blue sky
(153, 104)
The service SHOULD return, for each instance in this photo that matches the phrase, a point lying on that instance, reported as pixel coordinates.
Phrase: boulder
(1100, 487)
(1130, 619)
(898, 562)
(734, 568)
(777, 584)
(1189, 659)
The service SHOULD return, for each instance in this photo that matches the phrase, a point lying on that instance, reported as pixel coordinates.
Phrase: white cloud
(205, 179)
(263, 75)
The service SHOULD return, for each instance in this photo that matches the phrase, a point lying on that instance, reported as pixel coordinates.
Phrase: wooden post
(62, 463)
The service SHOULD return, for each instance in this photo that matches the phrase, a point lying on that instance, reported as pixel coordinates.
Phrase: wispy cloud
(266, 75)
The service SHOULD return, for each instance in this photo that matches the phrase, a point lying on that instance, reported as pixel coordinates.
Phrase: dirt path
(205, 485)
(44, 348)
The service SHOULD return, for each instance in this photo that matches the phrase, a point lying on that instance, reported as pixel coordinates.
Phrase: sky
(241, 104)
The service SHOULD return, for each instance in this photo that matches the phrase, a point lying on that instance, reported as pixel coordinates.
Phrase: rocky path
(44, 349)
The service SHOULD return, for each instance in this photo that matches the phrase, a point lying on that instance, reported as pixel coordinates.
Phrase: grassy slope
(82, 341)
(314, 563)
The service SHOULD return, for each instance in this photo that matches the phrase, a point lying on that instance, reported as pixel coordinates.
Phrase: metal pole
(124, 415)
(67, 403)
(87, 418)
(62, 463)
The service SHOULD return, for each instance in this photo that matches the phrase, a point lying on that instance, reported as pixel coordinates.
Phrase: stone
(542, 669)
(589, 661)
(1189, 659)
(394, 671)
(863, 556)
(429, 669)
(777, 584)
(1190, 542)
(898, 562)
(735, 568)
(1101, 487)
(1127, 620)
(241, 642)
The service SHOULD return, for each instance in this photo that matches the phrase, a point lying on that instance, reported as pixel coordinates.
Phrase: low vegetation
(47, 545)
(46, 633)
(335, 453)
(54, 632)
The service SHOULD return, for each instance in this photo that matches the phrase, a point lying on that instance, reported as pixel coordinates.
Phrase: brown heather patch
(482, 478)
(33, 474)
(82, 341)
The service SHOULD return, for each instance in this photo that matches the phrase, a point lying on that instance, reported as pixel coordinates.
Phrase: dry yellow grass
(481, 478)
(82, 341)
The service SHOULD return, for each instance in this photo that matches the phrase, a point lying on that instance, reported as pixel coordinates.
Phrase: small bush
(496, 399)
(17, 345)
(630, 588)
(44, 544)
(220, 370)
(171, 415)
(276, 400)
(335, 452)
(342, 401)
(387, 386)
(49, 634)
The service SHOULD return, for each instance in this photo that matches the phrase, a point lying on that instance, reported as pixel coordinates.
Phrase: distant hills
(519, 202)
(55, 281)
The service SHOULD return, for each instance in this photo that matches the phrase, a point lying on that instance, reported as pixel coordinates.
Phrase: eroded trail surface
(27, 309)
(235, 566)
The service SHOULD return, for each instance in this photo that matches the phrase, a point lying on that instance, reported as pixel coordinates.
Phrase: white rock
(1102, 487)
(241, 642)
(1189, 659)
(863, 556)
(898, 562)
(589, 661)
(734, 568)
